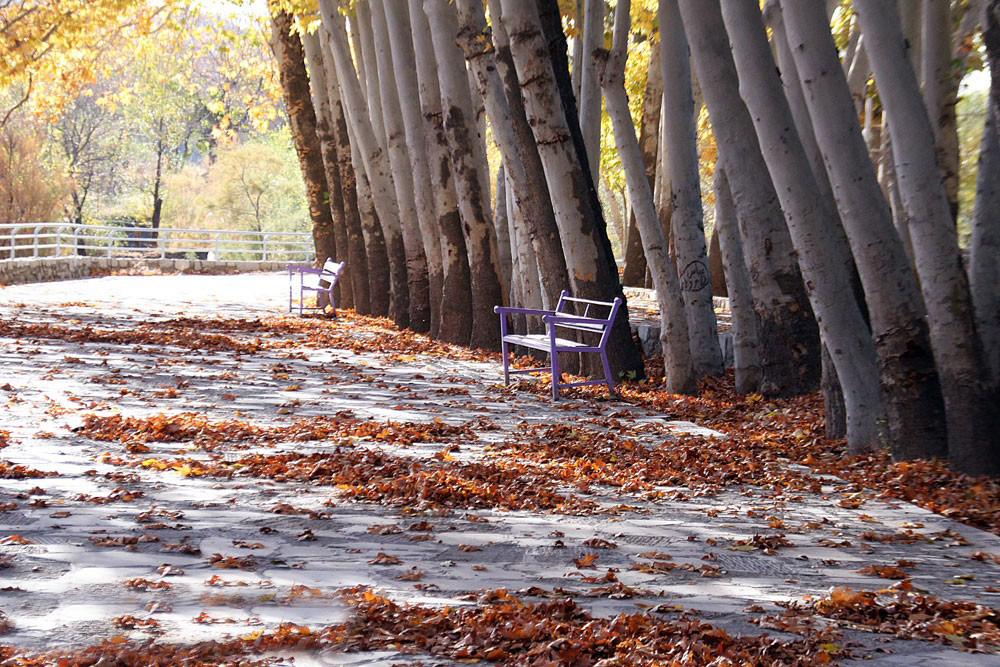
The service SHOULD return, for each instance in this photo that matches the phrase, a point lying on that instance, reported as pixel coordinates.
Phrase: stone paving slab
(63, 590)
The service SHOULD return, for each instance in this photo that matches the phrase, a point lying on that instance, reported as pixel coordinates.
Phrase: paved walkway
(206, 557)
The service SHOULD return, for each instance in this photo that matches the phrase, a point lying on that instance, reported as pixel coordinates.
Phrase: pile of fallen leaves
(10, 470)
(794, 429)
(206, 434)
(146, 334)
(503, 631)
(900, 612)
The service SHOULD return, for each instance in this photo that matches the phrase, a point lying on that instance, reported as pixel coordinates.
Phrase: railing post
(218, 241)
(264, 238)
(13, 242)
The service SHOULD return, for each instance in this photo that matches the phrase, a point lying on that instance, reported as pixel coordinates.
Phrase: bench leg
(607, 372)
(506, 368)
(556, 374)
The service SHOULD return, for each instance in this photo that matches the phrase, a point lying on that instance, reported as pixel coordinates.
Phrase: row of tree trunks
(677, 353)
(302, 118)
(970, 397)
(789, 341)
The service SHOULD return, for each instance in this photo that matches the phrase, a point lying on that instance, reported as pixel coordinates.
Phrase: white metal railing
(53, 239)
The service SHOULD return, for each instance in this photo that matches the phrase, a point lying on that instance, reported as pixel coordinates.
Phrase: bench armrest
(502, 310)
(306, 268)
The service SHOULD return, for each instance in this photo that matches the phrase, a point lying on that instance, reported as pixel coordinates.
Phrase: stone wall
(47, 269)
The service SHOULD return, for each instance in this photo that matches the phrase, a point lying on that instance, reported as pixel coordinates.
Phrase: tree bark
(302, 121)
(634, 272)
(473, 201)
(421, 313)
(822, 254)
(936, 76)
(456, 306)
(970, 399)
(590, 90)
(677, 350)
(916, 416)
(687, 218)
(501, 222)
(789, 342)
(984, 262)
(367, 68)
(363, 253)
(746, 358)
(343, 290)
(570, 189)
(535, 207)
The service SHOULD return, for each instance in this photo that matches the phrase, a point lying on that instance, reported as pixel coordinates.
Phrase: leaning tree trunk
(343, 290)
(456, 307)
(789, 341)
(407, 85)
(622, 350)
(358, 253)
(970, 397)
(365, 239)
(473, 201)
(534, 211)
(687, 217)
(586, 258)
(590, 90)
(984, 262)
(677, 350)
(634, 271)
(822, 253)
(936, 76)
(422, 313)
(906, 363)
(302, 122)
(367, 67)
(373, 158)
(539, 219)
(746, 360)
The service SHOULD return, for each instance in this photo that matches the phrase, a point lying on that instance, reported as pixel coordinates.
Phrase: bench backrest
(330, 275)
(592, 310)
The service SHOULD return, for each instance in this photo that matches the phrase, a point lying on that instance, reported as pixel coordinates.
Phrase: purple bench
(312, 279)
(561, 318)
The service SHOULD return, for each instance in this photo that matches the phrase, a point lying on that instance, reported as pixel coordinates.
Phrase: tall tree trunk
(789, 341)
(916, 416)
(634, 270)
(367, 68)
(456, 307)
(970, 399)
(634, 273)
(590, 90)
(622, 350)
(687, 219)
(365, 259)
(936, 76)
(373, 159)
(343, 290)
(473, 201)
(422, 313)
(822, 253)
(746, 359)
(677, 350)
(366, 243)
(571, 191)
(984, 262)
(302, 121)
(501, 221)
(534, 203)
